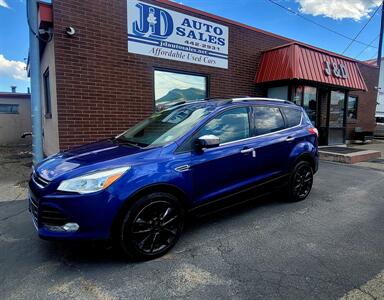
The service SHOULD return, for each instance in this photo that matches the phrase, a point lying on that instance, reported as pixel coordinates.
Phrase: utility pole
(34, 56)
(381, 35)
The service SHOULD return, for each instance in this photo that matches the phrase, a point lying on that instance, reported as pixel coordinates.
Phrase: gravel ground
(15, 164)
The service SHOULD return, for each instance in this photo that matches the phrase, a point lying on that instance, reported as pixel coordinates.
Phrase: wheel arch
(305, 157)
(158, 187)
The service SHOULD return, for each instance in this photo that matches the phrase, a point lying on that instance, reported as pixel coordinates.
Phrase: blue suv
(137, 187)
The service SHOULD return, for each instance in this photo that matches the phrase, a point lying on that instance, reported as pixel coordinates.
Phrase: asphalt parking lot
(327, 247)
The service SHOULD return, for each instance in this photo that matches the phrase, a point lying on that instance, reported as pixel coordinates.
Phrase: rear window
(379, 119)
(292, 115)
(268, 119)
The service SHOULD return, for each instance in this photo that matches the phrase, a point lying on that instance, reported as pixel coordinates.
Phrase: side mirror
(207, 141)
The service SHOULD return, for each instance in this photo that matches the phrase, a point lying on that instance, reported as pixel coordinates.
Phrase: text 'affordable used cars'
(136, 188)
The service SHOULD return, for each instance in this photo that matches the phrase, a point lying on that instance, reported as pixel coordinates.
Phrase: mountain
(179, 95)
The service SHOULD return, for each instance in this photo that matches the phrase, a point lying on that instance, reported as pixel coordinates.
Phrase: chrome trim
(249, 150)
(38, 184)
(182, 168)
(260, 99)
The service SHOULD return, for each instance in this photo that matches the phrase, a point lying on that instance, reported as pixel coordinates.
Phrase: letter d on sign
(153, 22)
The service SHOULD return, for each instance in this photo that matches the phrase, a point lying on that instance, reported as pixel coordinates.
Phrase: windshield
(166, 126)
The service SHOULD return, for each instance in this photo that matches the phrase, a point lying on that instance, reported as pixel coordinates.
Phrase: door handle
(290, 139)
(249, 150)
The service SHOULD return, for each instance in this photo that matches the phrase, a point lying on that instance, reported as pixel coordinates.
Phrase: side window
(232, 125)
(268, 119)
(292, 115)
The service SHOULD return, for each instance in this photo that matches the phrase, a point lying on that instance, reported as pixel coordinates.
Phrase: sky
(347, 17)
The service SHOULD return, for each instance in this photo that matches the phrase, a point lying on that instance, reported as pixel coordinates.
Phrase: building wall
(50, 125)
(12, 126)
(366, 101)
(102, 89)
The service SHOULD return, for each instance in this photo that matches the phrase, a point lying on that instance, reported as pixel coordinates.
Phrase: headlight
(92, 182)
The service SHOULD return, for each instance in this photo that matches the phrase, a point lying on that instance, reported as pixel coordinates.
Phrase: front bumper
(94, 214)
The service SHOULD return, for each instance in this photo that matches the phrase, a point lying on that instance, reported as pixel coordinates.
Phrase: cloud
(12, 68)
(4, 4)
(338, 9)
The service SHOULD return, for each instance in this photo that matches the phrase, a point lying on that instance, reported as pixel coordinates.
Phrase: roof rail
(261, 99)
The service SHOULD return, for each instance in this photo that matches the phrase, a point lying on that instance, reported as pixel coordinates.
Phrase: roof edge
(233, 22)
(319, 50)
(14, 95)
(222, 19)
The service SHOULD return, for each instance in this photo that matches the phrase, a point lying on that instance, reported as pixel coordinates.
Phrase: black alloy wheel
(152, 226)
(301, 181)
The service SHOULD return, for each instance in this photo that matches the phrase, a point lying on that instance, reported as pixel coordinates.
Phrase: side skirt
(246, 194)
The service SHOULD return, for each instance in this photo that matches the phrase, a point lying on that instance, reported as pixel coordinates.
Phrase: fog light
(71, 227)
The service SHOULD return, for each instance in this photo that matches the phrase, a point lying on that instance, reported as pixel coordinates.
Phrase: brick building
(121, 60)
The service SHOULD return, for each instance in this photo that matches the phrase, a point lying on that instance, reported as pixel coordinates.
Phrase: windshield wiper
(126, 142)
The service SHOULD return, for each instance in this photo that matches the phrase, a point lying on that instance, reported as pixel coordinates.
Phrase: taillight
(313, 130)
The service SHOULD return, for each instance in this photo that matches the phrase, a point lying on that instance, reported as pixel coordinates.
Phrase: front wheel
(301, 181)
(152, 226)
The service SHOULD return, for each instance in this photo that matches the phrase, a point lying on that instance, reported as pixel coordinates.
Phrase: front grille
(42, 183)
(52, 216)
(44, 214)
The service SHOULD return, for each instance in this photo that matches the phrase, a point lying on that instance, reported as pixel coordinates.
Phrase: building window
(352, 107)
(310, 103)
(9, 108)
(47, 95)
(297, 94)
(173, 87)
(280, 92)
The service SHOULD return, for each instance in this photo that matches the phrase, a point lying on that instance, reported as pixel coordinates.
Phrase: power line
(370, 44)
(318, 24)
(361, 30)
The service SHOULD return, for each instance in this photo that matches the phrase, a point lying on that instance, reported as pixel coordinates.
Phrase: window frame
(251, 118)
(176, 71)
(47, 94)
(356, 107)
(189, 138)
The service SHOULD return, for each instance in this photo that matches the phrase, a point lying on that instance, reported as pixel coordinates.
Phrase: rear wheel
(152, 226)
(301, 181)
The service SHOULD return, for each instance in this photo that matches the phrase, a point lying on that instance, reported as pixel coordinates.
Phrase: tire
(300, 182)
(152, 226)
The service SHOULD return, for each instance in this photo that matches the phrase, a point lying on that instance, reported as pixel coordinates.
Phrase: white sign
(159, 32)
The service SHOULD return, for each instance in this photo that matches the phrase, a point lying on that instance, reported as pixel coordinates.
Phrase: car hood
(100, 155)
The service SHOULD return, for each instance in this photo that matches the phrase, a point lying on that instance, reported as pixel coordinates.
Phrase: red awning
(297, 61)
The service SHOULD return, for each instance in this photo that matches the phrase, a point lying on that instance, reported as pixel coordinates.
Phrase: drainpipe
(34, 54)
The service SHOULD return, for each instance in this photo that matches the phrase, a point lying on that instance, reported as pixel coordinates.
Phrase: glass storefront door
(326, 108)
(336, 131)
(310, 103)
